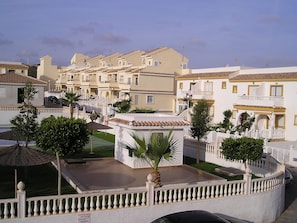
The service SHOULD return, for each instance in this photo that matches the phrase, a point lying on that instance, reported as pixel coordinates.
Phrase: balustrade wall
(28, 208)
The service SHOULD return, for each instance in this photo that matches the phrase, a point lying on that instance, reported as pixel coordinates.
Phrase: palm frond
(158, 147)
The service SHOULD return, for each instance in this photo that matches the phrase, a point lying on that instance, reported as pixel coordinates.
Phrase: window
(136, 99)
(234, 89)
(181, 85)
(149, 99)
(122, 79)
(157, 63)
(276, 90)
(223, 84)
(280, 121)
(208, 86)
(99, 78)
(234, 112)
(129, 80)
(136, 80)
(20, 95)
(211, 111)
(192, 84)
(252, 90)
(295, 119)
(184, 66)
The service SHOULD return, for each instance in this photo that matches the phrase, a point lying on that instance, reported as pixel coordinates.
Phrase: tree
(245, 122)
(242, 149)
(70, 99)
(62, 136)
(226, 125)
(122, 106)
(158, 147)
(200, 123)
(25, 124)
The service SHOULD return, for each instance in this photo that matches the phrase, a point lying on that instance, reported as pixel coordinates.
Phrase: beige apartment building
(145, 77)
(13, 67)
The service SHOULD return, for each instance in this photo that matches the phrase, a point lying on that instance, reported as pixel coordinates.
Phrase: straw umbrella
(21, 156)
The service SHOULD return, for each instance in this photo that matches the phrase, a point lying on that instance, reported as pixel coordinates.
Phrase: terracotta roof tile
(212, 75)
(149, 123)
(14, 65)
(268, 76)
(12, 77)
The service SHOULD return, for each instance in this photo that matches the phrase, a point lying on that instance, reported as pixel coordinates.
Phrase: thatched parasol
(21, 156)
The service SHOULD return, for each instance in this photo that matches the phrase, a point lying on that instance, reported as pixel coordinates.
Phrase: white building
(143, 125)
(268, 94)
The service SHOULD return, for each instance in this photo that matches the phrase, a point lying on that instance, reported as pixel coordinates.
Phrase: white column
(150, 190)
(21, 197)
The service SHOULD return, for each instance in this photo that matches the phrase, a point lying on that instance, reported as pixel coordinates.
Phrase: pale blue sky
(210, 33)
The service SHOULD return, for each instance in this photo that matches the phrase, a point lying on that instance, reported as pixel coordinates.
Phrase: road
(290, 213)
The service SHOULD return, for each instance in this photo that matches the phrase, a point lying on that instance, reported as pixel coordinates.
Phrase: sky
(210, 33)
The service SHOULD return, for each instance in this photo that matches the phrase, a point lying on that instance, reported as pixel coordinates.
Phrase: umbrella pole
(15, 181)
(91, 144)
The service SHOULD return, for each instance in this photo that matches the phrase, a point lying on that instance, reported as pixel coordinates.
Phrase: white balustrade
(51, 205)
(8, 208)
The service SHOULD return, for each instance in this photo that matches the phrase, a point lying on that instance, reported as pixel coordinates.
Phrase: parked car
(197, 216)
(53, 99)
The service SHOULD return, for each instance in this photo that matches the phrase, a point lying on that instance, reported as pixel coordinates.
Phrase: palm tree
(157, 148)
(70, 98)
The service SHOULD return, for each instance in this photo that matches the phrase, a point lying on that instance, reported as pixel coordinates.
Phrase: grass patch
(210, 168)
(105, 136)
(39, 181)
(42, 180)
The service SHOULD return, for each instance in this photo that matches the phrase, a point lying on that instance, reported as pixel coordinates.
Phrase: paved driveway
(107, 173)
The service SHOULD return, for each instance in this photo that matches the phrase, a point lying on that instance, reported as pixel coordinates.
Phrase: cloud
(4, 42)
(111, 38)
(197, 42)
(85, 29)
(56, 41)
(270, 18)
(28, 56)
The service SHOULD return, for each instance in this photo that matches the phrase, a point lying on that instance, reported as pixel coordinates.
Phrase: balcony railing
(198, 94)
(269, 101)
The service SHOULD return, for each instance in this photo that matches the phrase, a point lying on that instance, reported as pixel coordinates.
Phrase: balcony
(125, 85)
(198, 94)
(89, 82)
(74, 81)
(266, 101)
(110, 85)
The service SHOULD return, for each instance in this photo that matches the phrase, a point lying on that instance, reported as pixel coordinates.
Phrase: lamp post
(188, 97)
(49, 85)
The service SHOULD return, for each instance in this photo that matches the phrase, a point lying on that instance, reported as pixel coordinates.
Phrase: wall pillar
(247, 177)
(21, 197)
(150, 190)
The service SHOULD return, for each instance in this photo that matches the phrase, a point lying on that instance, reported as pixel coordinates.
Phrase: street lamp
(188, 97)
(49, 85)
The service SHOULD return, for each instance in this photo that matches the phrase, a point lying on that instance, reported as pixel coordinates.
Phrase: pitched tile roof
(11, 77)
(269, 76)
(212, 75)
(13, 65)
(149, 123)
